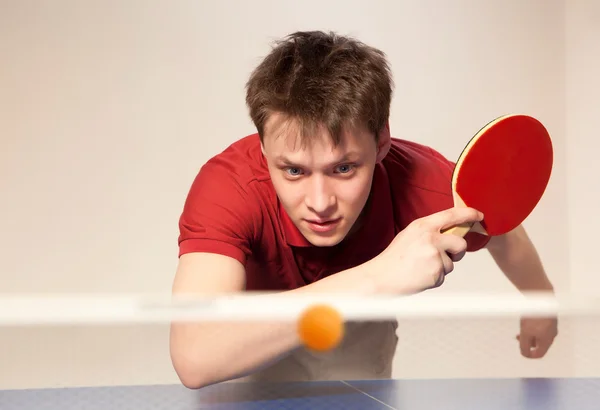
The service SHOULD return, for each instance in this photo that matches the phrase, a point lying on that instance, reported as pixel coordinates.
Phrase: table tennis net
(452, 338)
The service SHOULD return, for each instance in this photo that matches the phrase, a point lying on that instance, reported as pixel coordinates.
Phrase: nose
(320, 197)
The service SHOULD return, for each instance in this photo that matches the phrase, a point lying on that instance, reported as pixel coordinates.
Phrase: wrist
(541, 286)
(364, 279)
(376, 280)
(357, 280)
(380, 279)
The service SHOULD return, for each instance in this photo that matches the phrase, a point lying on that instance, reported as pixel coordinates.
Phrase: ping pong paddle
(503, 172)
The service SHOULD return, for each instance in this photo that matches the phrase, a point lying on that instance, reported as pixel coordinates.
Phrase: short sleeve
(476, 241)
(219, 215)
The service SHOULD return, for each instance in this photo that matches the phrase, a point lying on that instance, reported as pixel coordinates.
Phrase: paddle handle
(463, 229)
(459, 230)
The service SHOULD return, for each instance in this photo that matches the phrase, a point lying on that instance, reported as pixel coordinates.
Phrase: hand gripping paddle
(503, 172)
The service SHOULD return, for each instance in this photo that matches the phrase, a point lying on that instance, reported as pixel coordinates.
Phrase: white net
(461, 335)
(61, 341)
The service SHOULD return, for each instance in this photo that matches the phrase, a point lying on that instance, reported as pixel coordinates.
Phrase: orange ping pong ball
(321, 328)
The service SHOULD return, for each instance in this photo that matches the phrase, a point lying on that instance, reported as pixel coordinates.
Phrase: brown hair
(321, 79)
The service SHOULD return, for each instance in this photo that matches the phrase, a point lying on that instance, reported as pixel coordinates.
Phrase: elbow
(191, 375)
(192, 381)
(194, 372)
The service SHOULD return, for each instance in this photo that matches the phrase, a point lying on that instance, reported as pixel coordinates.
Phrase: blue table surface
(459, 394)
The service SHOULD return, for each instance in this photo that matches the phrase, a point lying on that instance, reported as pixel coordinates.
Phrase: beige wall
(583, 172)
(105, 117)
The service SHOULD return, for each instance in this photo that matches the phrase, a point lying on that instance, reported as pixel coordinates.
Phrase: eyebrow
(347, 157)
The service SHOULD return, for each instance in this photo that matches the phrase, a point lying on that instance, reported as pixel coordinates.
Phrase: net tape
(105, 309)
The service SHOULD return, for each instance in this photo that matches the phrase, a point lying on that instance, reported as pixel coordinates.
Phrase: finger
(455, 246)
(526, 344)
(457, 256)
(540, 349)
(451, 217)
(447, 263)
(439, 281)
(447, 267)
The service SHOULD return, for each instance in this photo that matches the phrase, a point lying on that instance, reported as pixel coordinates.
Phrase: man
(323, 199)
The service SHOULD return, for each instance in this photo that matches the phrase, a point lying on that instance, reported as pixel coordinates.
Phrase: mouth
(322, 225)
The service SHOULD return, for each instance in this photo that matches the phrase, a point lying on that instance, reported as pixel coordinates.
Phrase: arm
(220, 220)
(208, 353)
(517, 258)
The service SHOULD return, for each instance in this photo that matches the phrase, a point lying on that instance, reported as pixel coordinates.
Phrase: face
(322, 187)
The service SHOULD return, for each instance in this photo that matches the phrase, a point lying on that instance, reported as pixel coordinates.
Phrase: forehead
(285, 137)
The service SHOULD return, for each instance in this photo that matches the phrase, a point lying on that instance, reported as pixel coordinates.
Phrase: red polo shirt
(232, 209)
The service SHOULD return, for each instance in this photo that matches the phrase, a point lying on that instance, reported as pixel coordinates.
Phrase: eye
(344, 169)
(293, 171)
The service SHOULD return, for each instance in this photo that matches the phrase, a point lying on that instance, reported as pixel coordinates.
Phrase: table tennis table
(451, 394)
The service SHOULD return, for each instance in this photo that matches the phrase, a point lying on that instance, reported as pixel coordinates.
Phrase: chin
(325, 240)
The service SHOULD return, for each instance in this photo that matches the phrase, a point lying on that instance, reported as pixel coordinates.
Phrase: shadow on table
(235, 392)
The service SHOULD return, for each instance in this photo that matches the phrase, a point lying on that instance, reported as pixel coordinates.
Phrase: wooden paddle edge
(472, 142)
(462, 230)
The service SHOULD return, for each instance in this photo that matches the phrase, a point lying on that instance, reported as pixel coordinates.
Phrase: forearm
(517, 258)
(216, 352)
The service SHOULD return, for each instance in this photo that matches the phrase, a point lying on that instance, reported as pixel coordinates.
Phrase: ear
(384, 142)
